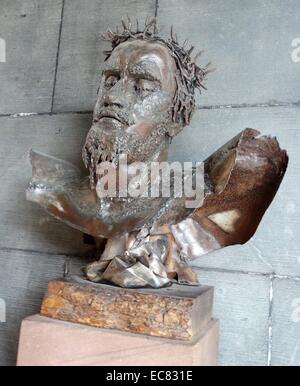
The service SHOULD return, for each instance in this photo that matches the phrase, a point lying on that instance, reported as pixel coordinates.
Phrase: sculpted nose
(117, 95)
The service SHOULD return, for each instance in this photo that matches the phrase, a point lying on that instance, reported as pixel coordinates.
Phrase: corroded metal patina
(146, 97)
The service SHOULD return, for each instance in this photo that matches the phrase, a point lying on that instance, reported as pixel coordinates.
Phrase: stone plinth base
(49, 342)
(176, 312)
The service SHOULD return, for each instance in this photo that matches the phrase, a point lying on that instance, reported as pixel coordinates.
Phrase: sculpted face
(133, 113)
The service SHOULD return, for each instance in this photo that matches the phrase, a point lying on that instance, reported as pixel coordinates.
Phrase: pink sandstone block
(49, 342)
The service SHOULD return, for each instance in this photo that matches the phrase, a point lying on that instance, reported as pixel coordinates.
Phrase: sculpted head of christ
(145, 98)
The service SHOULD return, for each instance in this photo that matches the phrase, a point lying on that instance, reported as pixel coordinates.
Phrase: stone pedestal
(176, 312)
(49, 342)
(82, 323)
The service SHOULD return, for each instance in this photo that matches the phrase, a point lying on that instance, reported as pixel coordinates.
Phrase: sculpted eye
(110, 81)
(146, 87)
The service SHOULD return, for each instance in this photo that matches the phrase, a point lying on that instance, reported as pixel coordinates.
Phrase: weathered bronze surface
(146, 97)
(176, 312)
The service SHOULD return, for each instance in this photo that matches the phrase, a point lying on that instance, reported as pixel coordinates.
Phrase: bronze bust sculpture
(146, 97)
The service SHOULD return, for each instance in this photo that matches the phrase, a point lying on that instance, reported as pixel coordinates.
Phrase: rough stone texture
(242, 302)
(48, 342)
(286, 323)
(30, 29)
(248, 42)
(176, 312)
(81, 51)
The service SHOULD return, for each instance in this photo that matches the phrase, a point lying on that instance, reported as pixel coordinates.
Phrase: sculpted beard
(100, 147)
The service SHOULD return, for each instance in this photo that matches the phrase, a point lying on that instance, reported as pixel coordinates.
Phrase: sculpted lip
(110, 115)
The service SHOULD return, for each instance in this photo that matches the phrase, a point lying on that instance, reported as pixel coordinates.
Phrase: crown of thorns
(189, 75)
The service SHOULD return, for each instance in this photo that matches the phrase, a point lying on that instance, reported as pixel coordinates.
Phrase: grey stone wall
(50, 63)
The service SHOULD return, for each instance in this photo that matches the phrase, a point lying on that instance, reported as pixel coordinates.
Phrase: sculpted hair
(189, 75)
